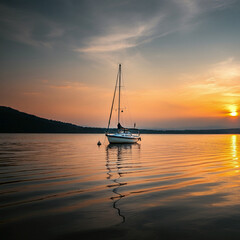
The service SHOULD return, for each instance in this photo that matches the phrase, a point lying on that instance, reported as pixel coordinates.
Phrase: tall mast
(119, 82)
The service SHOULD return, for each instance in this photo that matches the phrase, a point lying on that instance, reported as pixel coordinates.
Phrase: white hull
(118, 139)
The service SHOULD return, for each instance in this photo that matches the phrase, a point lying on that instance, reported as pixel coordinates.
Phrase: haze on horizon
(181, 60)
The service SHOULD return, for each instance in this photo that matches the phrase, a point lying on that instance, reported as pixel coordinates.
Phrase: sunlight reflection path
(235, 152)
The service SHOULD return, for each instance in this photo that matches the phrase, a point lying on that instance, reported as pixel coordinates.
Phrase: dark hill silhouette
(14, 121)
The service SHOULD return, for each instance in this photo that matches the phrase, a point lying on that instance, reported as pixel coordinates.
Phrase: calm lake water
(63, 186)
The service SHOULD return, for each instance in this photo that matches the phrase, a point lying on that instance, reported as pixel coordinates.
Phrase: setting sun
(233, 114)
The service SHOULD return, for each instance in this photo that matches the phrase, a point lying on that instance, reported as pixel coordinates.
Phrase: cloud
(71, 85)
(222, 78)
(218, 88)
(100, 26)
(125, 37)
(31, 93)
(28, 28)
(165, 18)
(226, 71)
(76, 86)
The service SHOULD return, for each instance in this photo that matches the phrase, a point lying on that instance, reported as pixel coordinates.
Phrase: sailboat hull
(122, 139)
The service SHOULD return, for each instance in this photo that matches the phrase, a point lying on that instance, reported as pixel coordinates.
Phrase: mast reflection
(116, 155)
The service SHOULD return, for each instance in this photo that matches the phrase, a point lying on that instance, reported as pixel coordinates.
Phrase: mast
(119, 96)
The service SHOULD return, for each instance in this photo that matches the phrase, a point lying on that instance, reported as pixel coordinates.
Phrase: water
(63, 186)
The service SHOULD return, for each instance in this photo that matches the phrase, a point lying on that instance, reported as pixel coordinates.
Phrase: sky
(180, 61)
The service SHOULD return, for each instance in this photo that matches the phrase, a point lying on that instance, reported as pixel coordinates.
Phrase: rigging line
(112, 102)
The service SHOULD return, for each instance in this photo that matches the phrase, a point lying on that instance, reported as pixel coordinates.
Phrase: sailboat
(123, 135)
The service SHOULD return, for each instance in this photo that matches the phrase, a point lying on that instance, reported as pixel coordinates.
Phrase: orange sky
(211, 95)
(181, 62)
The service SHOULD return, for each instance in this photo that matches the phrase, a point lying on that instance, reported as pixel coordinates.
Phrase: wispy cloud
(122, 37)
(31, 93)
(75, 86)
(70, 85)
(218, 87)
(28, 28)
(222, 78)
(165, 19)
(100, 26)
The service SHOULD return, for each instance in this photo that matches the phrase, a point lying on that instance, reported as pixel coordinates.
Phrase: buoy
(99, 143)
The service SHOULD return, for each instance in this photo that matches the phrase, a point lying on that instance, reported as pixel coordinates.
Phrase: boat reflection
(117, 156)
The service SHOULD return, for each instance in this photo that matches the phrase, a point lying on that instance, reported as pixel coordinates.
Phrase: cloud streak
(123, 38)
(218, 89)
(223, 78)
(100, 27)
(28, 28)
(166, 18)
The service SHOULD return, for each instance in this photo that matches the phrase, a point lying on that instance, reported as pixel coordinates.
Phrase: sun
(233, 114)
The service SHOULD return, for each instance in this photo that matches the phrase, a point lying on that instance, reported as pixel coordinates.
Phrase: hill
(14, 121)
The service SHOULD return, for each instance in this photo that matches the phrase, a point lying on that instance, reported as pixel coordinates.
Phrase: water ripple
(47, 178)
